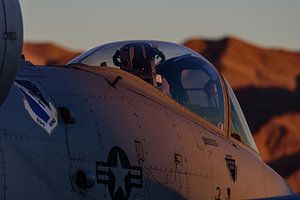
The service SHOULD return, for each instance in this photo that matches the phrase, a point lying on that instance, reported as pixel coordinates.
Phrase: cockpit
(178, 72)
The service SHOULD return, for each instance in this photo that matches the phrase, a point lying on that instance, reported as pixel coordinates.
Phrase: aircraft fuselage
(129, 142)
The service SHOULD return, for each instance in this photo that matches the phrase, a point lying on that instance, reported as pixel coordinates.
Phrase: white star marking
(120, 173)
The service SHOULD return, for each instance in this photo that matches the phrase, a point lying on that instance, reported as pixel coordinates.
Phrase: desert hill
(266, 82)
(245, 64)
(47, 53)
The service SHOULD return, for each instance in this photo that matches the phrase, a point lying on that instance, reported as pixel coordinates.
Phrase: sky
(82, 24)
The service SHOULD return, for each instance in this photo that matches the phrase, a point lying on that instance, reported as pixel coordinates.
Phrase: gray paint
(150, 129)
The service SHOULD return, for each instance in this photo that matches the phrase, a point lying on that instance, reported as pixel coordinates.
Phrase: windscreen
(239, 126)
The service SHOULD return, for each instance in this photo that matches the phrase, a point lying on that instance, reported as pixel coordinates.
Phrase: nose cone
(11, 42)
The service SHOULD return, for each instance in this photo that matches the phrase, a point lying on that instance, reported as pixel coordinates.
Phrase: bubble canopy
(177, 71)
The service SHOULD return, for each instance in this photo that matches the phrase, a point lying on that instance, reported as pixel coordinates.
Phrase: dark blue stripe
(36, 108)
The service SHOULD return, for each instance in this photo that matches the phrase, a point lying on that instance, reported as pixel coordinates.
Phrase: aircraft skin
(82, 132)
(164, 143)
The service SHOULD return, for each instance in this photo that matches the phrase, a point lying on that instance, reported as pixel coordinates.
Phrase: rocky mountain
(266, 82)
(245, 64)
(47, 53)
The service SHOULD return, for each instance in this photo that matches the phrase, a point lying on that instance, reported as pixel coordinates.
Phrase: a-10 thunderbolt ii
(127, 120)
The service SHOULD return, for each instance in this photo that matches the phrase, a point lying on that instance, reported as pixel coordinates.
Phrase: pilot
(139, 59)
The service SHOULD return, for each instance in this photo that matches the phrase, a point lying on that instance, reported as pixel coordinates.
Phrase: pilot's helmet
(139, 59)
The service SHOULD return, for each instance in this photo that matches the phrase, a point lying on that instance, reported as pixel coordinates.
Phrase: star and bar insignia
(118, 174)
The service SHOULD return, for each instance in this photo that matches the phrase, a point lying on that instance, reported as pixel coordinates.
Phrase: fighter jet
(124, 121)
